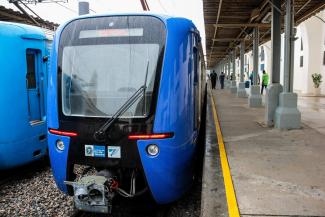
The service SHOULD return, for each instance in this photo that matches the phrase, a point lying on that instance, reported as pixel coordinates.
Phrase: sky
(60, 12)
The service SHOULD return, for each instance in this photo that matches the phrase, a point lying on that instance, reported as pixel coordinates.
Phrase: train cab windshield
(104, 61)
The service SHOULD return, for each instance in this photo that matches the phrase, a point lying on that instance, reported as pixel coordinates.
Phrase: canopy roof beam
(240, 25)
(229, 39)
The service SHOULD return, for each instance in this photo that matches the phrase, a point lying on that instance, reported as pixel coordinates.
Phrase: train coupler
(93, 193)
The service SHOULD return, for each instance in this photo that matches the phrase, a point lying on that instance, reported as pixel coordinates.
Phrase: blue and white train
(23, 85)
(126, 97)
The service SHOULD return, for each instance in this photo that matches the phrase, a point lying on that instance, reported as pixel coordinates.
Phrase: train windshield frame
(103, 61)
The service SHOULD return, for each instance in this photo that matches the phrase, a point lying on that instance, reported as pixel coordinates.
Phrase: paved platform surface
(275, 173)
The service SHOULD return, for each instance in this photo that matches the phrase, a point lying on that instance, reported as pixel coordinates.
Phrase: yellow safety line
(233, 210)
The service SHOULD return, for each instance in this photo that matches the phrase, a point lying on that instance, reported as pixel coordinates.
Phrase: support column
(224, 72)
(241, 91)
(275, 88)
(255, 98)
(218, 74)
(287, 115)
(227, 83)
(233, 84)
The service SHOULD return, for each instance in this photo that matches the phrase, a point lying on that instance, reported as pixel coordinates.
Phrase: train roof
(164, 18)
(21, 30)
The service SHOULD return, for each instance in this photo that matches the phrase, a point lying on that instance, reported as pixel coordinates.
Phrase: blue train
(23, 85)
(126, 97)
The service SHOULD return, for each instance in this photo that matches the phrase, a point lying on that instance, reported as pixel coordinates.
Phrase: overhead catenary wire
(30, 10)
(66, 7)
(70, 9)
(162, 6)
(27, 14)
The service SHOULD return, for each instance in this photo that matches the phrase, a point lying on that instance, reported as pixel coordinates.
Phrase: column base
(255, 98)
(233, 87)
(272, 102)
(287, 115)
(227, 84)
(241, 92)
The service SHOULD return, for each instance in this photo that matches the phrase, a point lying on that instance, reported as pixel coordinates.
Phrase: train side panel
(23, 84)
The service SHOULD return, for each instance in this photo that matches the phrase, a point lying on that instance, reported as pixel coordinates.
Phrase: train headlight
(152, 149)
(60, 145)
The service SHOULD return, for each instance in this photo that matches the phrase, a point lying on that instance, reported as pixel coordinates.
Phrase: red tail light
(62, 133)
(151, 136)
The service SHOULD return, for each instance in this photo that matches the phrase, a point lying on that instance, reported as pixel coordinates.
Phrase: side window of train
(31, 69)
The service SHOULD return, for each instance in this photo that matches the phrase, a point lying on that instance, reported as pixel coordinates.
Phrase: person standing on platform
(213, 78)
(251, 78)
(222, 80)
(265, 81)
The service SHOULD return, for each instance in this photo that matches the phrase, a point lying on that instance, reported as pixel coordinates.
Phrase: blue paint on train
(23, 87)
(170, 173)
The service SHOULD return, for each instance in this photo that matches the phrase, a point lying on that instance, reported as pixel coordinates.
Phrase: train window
(31, 70)
(103, 65)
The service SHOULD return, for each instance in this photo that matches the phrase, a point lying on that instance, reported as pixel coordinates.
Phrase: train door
(33, 60)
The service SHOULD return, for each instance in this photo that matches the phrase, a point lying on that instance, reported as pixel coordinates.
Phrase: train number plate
(114, 151)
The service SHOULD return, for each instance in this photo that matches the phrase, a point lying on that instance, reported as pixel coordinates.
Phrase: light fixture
(152, 149)
(60, 145)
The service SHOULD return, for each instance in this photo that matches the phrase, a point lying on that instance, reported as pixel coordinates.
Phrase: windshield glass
(103, 63)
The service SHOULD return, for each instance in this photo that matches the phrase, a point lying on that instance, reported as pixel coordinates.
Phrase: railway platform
(254, 170)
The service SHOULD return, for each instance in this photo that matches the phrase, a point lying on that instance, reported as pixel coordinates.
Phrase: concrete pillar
(287, 115)
(227, 80)
(276, 42)
(233, 65)
(241, 91)
(233, 84)
(83, 7)
(256, 36)
(275, 88)
(255, 98)
(225, 71)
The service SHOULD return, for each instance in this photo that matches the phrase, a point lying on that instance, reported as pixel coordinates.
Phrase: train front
(103, 90)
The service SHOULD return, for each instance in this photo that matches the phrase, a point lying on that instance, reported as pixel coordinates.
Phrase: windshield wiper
(100, 134)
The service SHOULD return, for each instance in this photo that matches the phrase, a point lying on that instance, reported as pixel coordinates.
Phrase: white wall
(312, 33)
(267, 59)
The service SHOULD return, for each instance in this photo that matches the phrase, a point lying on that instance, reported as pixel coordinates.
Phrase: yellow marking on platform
(233, 210)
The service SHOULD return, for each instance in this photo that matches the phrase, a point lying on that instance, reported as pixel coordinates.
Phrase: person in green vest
(265, 81)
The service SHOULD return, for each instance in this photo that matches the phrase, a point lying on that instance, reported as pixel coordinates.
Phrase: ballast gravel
(35, 193)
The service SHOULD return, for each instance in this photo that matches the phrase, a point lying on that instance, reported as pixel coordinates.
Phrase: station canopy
(228, 22)
(10, 15)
